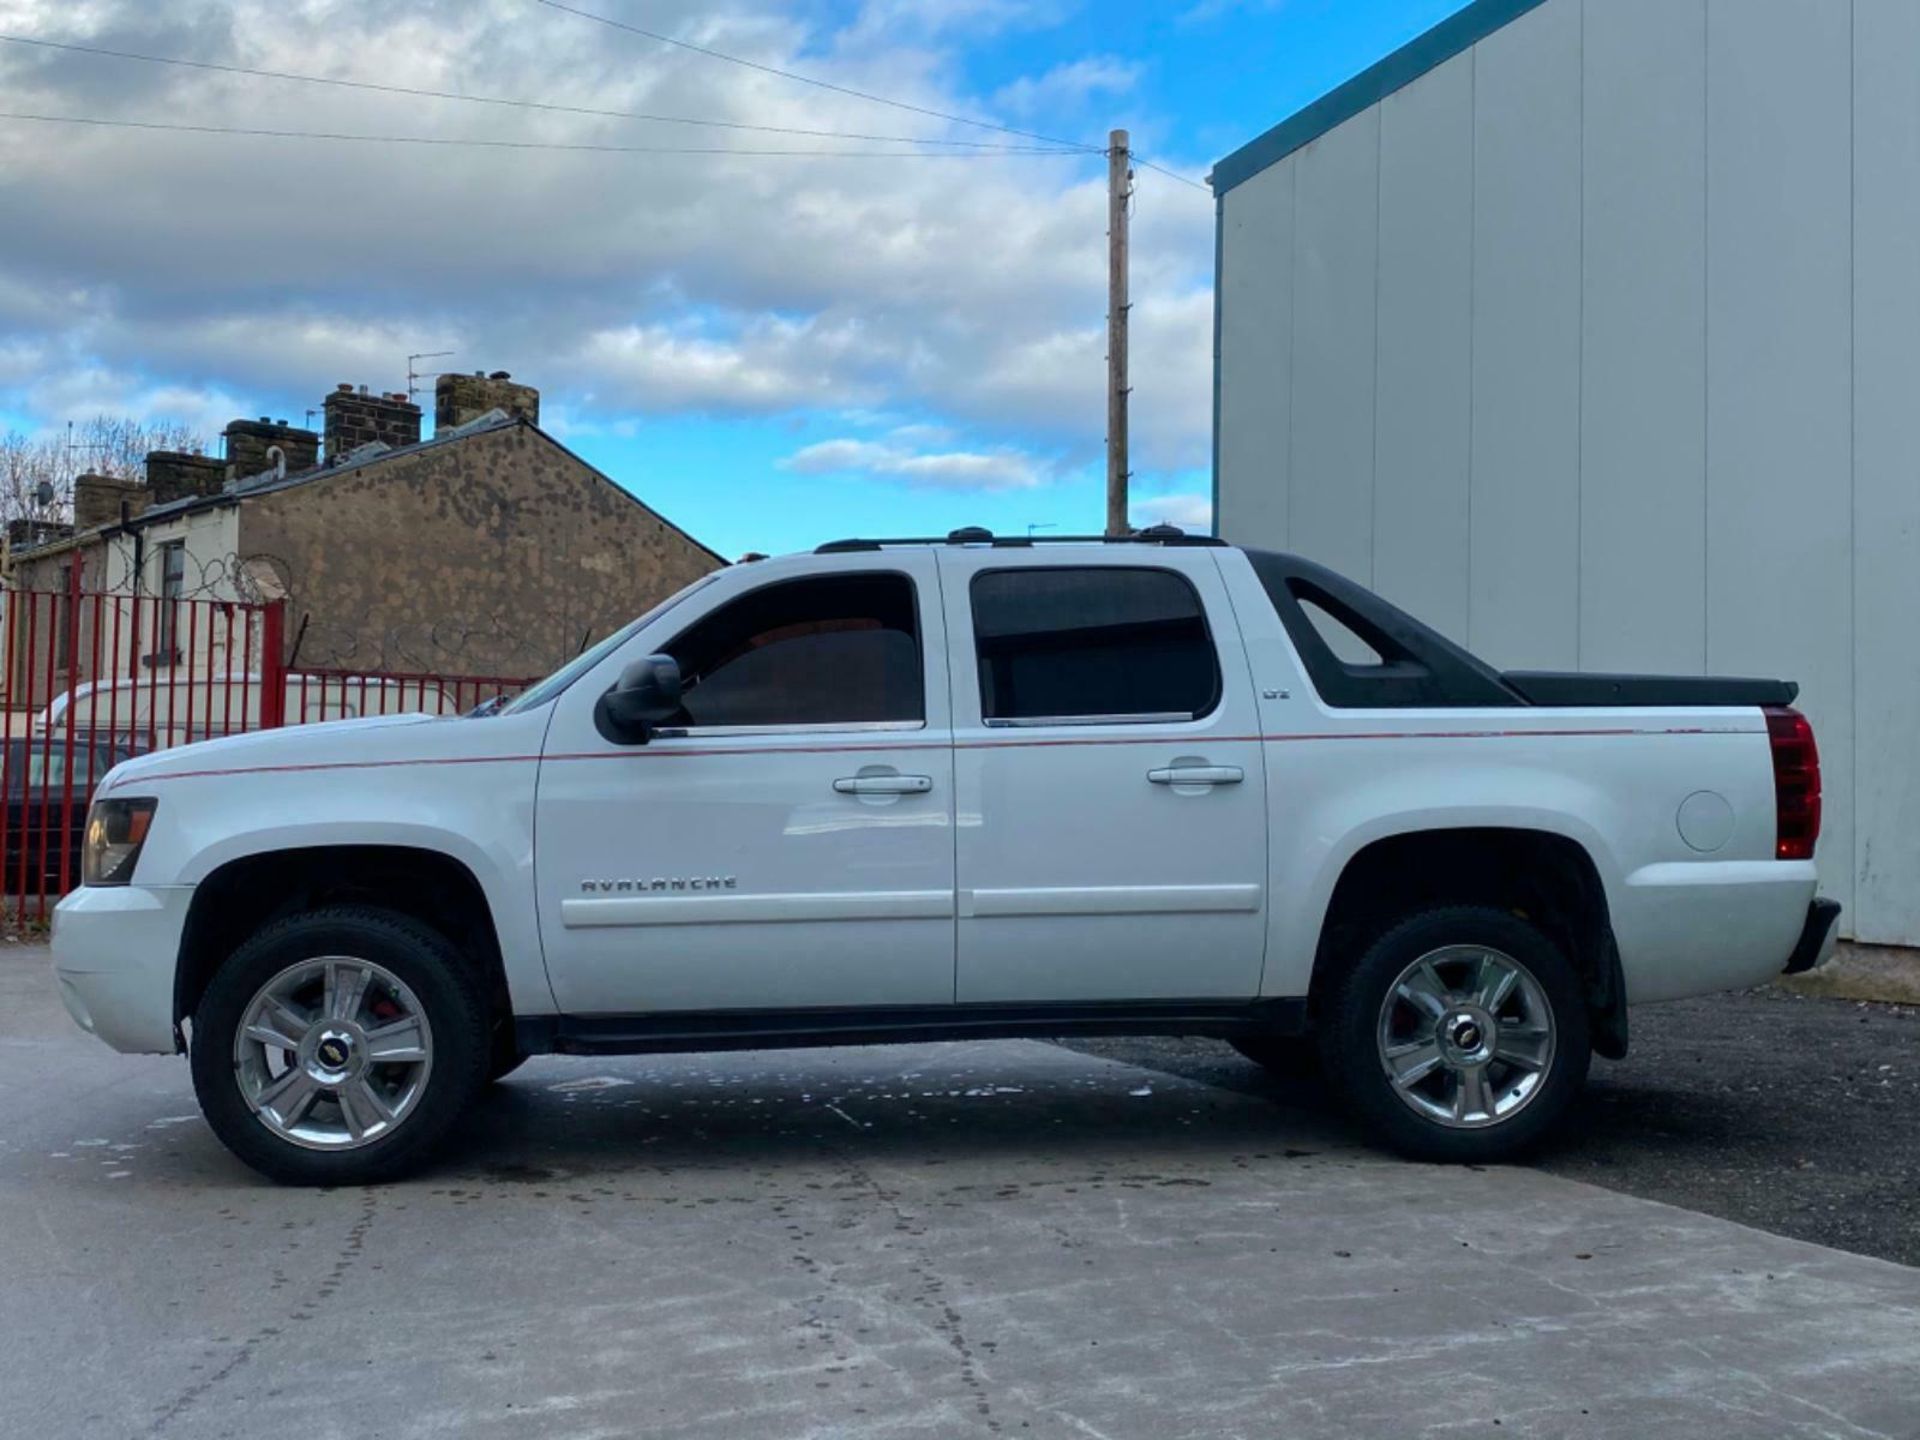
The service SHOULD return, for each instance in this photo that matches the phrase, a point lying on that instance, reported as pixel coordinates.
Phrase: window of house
(833, 650)
(173, 582)
(1091, 643)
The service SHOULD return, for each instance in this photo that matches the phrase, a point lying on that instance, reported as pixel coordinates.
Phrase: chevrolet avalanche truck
(956, 788)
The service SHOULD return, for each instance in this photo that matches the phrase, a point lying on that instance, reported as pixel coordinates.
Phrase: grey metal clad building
(1589, 331)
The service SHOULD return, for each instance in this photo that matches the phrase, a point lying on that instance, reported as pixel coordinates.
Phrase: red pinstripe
(651, 753)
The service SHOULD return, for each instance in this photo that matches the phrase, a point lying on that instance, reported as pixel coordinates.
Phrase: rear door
(1109, 792)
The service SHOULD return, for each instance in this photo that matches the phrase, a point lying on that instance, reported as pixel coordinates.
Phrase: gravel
(1792, 1114)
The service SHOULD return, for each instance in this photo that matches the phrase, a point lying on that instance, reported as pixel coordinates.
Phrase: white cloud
(1192, 513)
(1004, 469)
(966, 293)
(773, 365)
(83, 392)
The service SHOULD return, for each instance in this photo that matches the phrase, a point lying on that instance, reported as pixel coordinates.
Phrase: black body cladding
(1571, 690)
(1419, 668)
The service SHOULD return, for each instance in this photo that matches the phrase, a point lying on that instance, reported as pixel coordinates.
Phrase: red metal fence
(88, 680)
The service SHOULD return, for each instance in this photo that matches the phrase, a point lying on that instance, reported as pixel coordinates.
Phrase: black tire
(448, 990)
(1350, 1045)
(1290, 1057)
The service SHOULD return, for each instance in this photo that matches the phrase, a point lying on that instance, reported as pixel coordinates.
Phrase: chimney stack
(460, 398)
(96, 499)
(174, 475)
(250, 443)
(359, 417)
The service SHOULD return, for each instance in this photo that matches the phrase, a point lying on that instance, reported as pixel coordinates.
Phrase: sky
(770, 350)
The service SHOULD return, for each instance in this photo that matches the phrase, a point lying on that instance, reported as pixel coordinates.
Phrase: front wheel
(1459, 1035)
(339, 1046)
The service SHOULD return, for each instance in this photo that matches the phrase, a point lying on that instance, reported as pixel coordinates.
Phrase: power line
(977, 154)
(1170, 174)
(820, 84)
(419, 93)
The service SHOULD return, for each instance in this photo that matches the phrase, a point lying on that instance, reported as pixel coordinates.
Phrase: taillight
(1796, 783)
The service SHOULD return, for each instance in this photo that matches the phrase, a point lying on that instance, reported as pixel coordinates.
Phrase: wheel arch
(243, 893)
(1548, 877)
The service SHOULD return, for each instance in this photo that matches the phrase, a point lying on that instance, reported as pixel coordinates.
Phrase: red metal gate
(88, 680)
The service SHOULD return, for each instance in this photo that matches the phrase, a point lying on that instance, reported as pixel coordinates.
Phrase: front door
(1110, 796)
(787, 841)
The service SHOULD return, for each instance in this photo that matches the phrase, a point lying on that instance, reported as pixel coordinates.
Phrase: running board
(696, 1030)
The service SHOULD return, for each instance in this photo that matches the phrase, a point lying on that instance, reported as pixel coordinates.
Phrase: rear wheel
(339, 1046)
(1461, 1034)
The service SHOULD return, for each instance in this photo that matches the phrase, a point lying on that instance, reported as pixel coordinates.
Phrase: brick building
(489, 548)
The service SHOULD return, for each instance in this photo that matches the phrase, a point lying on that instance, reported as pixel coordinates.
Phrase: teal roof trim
(1459, 32)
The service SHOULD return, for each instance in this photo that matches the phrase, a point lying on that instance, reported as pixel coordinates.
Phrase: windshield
(44, 773)
(560, 679)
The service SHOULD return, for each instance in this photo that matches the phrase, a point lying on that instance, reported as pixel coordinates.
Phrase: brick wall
(250, 446)
(97, 499)
(55, 648)
(495, 553)
(360, 417)
(173, 475)
(459, 398)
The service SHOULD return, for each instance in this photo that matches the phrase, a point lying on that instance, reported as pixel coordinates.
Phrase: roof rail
(978, 535)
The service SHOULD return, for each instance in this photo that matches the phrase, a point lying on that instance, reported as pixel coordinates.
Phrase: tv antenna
(415, 376)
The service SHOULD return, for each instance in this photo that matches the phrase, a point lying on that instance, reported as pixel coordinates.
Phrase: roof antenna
(415, 376)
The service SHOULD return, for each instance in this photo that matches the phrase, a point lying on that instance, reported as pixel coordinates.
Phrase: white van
(160, 712)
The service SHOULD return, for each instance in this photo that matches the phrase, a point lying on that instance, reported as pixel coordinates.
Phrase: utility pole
(1119, 191)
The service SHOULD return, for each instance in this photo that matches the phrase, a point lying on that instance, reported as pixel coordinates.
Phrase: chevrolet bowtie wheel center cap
(334, 1050)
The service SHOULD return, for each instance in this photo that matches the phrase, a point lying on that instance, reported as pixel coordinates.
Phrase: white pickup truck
(908, 790)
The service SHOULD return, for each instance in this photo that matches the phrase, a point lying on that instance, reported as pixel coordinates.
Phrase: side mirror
(647, 692)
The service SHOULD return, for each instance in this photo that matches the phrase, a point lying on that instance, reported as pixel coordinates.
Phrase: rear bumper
(114, 953)
(1817, 939)
(1700, 927)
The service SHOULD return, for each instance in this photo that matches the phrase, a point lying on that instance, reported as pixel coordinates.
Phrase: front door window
(830, 651)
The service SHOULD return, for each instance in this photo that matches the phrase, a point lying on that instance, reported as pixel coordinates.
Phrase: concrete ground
(1888, 974)
(1796, 1115)
(1006, 1238)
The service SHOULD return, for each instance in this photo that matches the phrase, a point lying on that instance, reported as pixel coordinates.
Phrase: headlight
(116, 829)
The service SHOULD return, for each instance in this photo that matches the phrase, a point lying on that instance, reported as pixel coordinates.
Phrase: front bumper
(115, 949)
(1817, 939)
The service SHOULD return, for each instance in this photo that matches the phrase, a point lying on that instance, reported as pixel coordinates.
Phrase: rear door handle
(1197, 775)
(884, 784)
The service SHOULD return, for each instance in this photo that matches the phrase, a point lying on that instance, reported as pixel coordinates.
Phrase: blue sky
(771, 352)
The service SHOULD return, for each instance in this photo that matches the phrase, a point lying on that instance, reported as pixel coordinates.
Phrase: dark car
(46, 814)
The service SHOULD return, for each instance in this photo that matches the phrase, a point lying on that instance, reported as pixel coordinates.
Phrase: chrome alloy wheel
(1466, 1036)
(333, 1053)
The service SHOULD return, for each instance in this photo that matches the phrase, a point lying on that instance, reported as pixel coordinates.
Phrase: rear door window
(1092, 644)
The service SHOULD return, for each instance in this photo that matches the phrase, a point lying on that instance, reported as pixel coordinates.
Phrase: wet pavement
(1008, 1238)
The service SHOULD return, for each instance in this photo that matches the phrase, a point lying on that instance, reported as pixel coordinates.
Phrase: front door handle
(1197, 775)
(883, 784)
